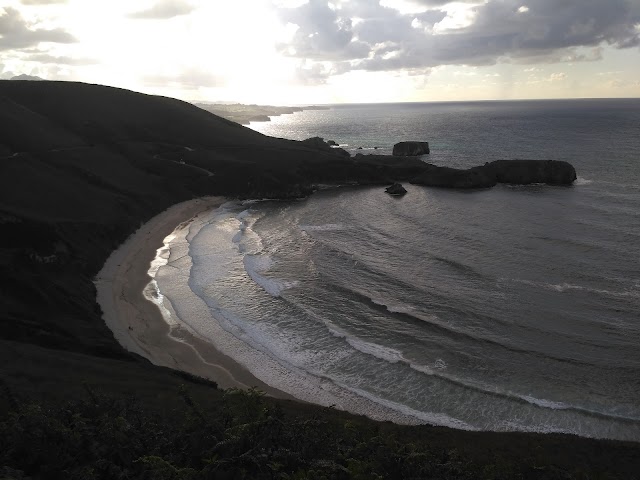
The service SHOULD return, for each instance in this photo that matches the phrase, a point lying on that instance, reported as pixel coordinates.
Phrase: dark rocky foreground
(83, 166)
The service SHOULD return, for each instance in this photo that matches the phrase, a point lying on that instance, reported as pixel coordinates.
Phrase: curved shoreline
(138, 324)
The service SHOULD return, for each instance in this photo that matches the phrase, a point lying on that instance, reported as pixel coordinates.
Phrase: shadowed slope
(85, 165)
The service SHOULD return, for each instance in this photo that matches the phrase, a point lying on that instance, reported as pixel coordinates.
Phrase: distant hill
(26, 77)
(245, 114)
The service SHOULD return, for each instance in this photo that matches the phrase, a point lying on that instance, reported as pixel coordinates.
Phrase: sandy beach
(138, 324)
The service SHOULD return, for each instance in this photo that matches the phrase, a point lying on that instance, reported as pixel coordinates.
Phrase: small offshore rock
(396, 189)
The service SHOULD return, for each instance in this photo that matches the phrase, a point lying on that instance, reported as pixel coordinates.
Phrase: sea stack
(410, 149)
(396, 189)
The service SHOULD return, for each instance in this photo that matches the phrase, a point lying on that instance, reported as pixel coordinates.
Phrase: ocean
(515, 308)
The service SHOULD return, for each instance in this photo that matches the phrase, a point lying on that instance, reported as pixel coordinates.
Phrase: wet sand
(138, 324)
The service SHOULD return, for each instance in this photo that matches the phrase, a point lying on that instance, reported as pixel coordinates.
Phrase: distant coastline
(245, 114)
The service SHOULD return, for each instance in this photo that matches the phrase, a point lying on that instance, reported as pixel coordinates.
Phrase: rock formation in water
(518, 172)
(410, 149)
(524, 172)
(447, 177)
(396, 189)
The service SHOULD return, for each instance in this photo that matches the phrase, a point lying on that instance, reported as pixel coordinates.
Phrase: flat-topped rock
(410, 149)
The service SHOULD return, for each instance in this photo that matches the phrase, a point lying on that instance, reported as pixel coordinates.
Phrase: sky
(291, 52)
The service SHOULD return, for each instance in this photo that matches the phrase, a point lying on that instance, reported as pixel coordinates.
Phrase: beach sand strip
(138, 324)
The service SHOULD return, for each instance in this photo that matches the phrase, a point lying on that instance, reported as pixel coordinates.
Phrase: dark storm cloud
(164, 10)
(522, 31)
(16, 34)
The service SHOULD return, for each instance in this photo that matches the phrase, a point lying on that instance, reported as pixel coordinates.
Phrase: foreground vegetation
(242, 435)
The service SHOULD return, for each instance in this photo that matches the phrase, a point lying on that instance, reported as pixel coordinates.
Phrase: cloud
(321, 34)
(557, 77)
(59, 60)
(441, 3)
(42, 2)
(15, 33)
(163, 10)
(310, 73)
(5, 74)
(364, 35)
(192, 78)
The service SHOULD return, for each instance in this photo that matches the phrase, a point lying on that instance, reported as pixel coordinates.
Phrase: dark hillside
(85, 165)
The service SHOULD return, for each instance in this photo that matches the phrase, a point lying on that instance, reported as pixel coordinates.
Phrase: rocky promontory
(245, 114)
(525, 172)
(328, 146)
(516, 172)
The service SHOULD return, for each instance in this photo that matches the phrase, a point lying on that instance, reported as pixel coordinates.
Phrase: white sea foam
(329, 227)
(399, 309)
(273, 361)
(582, 181)
(440, 364)
(394, 308)
(427, 370)
(245, 238)
(565, 287)
(387, 354)
(544, 403)
(432, 418)
(275, 357)
(509, 426)
(256, 266)
(152, 293)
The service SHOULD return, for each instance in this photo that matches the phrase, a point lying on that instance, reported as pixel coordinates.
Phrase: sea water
(512, 308)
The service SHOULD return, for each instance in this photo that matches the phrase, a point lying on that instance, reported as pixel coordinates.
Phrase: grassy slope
(81, 167)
